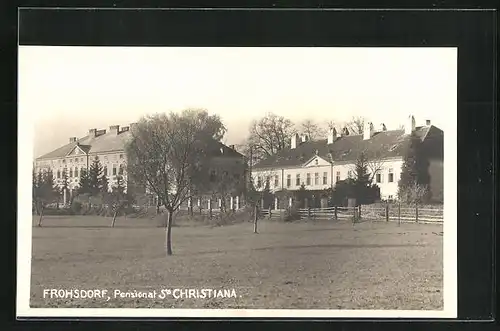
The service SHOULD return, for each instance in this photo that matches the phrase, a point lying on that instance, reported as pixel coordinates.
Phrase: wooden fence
(387, 213)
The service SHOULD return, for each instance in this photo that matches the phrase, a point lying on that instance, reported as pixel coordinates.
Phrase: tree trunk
(168, 239)
(255, 217)
(41, 216)
(114, 218)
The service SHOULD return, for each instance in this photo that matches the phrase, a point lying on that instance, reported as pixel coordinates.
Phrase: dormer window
(316, 162)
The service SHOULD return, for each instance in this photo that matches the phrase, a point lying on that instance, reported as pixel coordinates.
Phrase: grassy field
(306, 265)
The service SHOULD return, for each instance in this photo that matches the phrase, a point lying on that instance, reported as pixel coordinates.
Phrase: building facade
(108, 146)
(320, 164)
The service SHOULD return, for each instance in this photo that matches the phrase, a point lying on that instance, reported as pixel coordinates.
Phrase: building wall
(388, 190)
(111, 162)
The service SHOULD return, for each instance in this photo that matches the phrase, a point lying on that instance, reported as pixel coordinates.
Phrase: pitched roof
(384, 144)
(110, 141)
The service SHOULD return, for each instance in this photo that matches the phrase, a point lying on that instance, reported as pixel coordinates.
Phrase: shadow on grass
(347, 246)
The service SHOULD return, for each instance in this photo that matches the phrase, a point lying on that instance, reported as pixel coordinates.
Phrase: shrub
(76, 207)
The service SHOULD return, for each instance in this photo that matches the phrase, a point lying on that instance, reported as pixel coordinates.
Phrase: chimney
(332, 135)
(92, 132)
(368, 131)
(345, 131)
(232, 147)
(304, 138)
(427, 122)
(114, 129)
(293, 143)
(382, 127)
(72, 139)
(410, 125)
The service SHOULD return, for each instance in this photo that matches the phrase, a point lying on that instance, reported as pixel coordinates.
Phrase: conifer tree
(414, 173)
(95, 177)
(85, 187)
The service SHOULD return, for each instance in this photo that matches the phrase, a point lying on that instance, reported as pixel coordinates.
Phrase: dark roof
(110, 141)
(384, 144)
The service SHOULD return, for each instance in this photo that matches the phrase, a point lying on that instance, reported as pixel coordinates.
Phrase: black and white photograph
(237, 181)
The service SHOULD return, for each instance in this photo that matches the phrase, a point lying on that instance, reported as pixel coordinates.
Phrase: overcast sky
(67, 90)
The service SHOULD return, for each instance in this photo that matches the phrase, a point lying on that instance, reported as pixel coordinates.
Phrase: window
(97, 157)
(121, 170)
(259, 182)
(325, 178)
(268, 181)
(316, 162)
(71, 172)
(337, 178)
(82, 171)
(114, 170)
(308, 179)
(70, 160)
(391, 175)
(288, 180)
(121, 156)
(276, 181)
(81, 160)
(76, 172)
(378, 178)
(297, 180)
(63, 161)
(316, 178)
(58, 173)
(349, 174)
(390, 197)
(105, 171)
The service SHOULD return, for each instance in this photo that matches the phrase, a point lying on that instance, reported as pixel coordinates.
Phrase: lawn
(306, 265)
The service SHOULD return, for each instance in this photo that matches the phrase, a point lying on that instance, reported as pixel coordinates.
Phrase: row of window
(75, 172)
(105, 157)
(81, 159)
(317, 180)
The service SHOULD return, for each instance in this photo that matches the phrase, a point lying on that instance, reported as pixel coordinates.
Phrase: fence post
(335, 212)
(309, 212)
(399, 213)
(210, 208)
(387, 212)
(237, 202)
(416, 212)
(359, 211)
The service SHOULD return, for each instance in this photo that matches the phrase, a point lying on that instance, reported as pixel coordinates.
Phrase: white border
(24, 236)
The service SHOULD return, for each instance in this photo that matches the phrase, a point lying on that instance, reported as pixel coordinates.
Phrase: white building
(320, 164)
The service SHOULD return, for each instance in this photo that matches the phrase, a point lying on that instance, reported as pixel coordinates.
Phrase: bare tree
(331, 124)
(356, 125)
(268, 136)
(311, 129)
(117, 199)
(170, 155)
